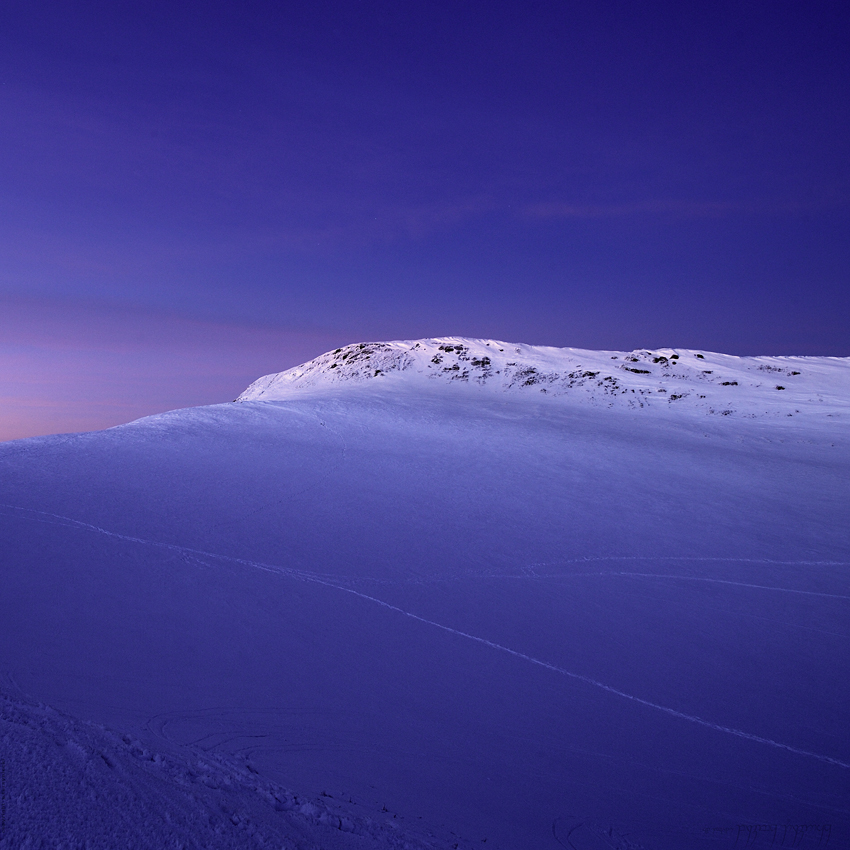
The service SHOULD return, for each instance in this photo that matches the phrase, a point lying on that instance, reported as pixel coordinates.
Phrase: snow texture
(436, 594)
(77, 784)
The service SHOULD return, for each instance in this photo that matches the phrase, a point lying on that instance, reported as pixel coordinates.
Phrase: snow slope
(463, 608)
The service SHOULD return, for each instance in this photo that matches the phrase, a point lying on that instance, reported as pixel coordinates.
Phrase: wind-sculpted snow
(438, 608)
(79, 784)
(677, 378)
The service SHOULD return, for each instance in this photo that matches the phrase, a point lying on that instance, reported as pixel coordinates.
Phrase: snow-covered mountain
(677, 378)
(400, 597)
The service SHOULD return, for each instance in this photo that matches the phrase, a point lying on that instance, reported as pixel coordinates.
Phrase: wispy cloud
(682, 208)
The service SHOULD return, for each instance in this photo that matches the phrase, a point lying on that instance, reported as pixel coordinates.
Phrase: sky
(196, 194)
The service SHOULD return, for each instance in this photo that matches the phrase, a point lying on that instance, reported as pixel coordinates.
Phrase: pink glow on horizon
(67, 368)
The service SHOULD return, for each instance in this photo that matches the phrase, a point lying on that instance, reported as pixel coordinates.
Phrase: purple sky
(192, 195)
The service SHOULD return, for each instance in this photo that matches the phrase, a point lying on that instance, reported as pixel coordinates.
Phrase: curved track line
(311, 577)
(587, 680)
(593, 558)
(726, 581)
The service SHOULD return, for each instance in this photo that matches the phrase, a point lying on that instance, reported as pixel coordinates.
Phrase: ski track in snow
(587, 680)
(589, 559)
(530, 575)
(726, 581)
(58, 519)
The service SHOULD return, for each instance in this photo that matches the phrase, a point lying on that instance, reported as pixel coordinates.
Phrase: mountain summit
(672, 378)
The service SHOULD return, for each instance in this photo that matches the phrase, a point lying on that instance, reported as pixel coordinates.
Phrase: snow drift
(419, 602)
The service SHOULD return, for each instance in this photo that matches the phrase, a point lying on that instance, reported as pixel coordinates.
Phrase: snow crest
(687, 379)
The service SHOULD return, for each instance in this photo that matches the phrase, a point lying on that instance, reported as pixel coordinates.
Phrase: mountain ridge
(704, 381)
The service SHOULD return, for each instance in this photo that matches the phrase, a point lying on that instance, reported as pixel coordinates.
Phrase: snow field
(530, 618)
